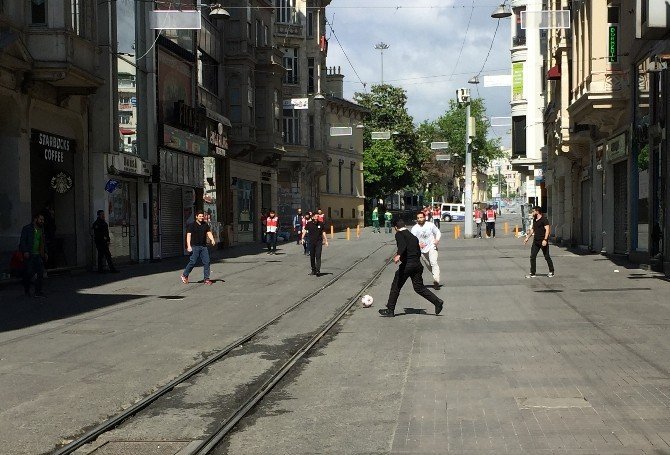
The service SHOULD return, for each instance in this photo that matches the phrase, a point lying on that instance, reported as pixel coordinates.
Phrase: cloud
(425, 41)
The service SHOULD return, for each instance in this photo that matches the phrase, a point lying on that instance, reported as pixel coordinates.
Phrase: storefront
(52, 185)
(181, 188)
(254, 193)
(124, 189)
(215, 194)
(617, 159)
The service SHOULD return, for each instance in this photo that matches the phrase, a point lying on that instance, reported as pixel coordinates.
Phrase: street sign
(443, 157)
(439, 145)
(296, 103)
(375, 135)
(341, 131)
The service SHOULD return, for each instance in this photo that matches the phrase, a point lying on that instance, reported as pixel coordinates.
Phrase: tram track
(224, 427)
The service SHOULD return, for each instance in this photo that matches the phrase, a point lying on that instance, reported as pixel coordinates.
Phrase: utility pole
(463, 98)
(381, 46)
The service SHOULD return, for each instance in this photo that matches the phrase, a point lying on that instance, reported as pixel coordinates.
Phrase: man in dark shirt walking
(316, 237)
(198, 235)
(540, 232)
(102, 239)
(409, 256)
(32, 245)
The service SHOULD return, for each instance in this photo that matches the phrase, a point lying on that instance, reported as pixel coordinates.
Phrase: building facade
(48, 60)
(342, 197)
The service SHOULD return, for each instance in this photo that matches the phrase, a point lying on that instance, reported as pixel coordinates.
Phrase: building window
(328, 175)
(234, 100)
(341, 212)
(208, 73)
(277, 112)
(330, 212)
(286, 12)
(310, 24)
(291, 126)
(351, 176)
(266, 35)
(38, 12)
(519, 136)
(310, 75)
(311, 131)
(339, 175)
(290, 62)
(353, 213)
(250, 91)
(76, 16)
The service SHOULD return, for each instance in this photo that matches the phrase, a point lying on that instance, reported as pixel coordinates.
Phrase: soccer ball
(367, 300)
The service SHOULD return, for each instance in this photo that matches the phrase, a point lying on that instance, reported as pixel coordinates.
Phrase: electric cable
(345, 54)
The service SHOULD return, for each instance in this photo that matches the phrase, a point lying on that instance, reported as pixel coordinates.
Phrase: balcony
(240, 48)
(601, 99)
(519, 41)
(290, 30)
(63, 59)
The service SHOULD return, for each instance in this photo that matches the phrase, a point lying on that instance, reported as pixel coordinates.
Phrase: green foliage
(643, 158)
(400, 158)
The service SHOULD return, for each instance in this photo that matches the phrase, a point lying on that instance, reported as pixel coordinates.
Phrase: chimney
(335, 82)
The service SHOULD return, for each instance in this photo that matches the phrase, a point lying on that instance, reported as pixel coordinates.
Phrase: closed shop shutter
(172, 233)
(620, 181)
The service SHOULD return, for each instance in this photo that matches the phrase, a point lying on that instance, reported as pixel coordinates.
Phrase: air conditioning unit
(652, 19)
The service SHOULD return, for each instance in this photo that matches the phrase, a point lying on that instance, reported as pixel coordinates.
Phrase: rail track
(224, 427)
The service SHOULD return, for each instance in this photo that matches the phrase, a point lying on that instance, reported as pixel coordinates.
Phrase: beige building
(342, 197)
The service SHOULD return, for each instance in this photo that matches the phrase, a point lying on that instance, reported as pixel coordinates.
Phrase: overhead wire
(345, 54)
(465, 35)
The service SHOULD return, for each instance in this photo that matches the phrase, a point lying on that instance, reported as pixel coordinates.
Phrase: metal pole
(499, 189)
(468, 176)
(382, 50)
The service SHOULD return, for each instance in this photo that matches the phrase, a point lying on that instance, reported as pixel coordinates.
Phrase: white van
(452, 211)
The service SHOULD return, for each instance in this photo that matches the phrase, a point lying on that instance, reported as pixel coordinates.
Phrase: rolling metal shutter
(172, 230)
(620, 181)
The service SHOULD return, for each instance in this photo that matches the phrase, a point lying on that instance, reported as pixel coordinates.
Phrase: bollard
(358, 231)
(516, 230)
(506, 228)
(332, 232)
(348, 233)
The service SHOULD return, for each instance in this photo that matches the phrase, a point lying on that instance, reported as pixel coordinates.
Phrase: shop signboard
(218, 141)
(616, 148)
(129, 164)
(517, 81)
(51, 147)
(184, 141)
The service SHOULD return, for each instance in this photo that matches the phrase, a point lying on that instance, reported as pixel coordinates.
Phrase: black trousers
(491, 228)
(537, 246)
(34, 265)
(413, 272)
(104, 254)
(315, 256)
(271, 239)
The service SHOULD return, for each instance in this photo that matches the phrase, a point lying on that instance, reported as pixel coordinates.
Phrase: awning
(126, 131)
(554, 73)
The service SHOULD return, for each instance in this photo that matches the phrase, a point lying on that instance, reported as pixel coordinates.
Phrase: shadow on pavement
(24, 312)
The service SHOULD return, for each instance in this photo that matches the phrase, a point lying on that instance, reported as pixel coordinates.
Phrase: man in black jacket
(409, 255)
(101, 237)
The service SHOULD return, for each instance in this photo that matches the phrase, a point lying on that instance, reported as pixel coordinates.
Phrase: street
(573, 364)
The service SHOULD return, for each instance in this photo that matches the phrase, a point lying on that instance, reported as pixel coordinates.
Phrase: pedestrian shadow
(323, 273)
(409, 311)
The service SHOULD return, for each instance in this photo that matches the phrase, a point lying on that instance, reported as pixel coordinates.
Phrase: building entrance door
(122, 219)
(586, 213)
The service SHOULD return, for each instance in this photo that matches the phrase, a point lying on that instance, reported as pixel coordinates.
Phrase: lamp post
(463, 98)
(381, 46)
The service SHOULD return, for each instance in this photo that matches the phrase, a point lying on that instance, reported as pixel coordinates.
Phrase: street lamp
(463, 99)
(381, 46)
(501, 12)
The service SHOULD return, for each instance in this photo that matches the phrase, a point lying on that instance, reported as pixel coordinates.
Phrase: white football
(367, 300)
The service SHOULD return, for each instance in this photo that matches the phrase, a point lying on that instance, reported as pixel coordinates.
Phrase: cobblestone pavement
(575, 364)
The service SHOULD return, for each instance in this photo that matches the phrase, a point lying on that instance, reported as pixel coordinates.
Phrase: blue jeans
(198, 252)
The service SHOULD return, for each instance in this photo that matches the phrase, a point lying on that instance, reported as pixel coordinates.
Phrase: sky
(435, 47)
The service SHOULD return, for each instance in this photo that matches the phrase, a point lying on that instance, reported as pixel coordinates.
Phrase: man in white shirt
(429, 238)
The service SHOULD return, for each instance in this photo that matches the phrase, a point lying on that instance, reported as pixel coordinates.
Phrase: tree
(393, 164)
(450, 127)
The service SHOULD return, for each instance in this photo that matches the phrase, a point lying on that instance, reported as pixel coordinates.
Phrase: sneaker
(530, 276)
(208, 282)
(438, 307)
(550, 274)
(385, 312)
(184, 279)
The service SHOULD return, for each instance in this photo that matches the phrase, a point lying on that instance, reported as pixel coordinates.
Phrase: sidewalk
(575, 364)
